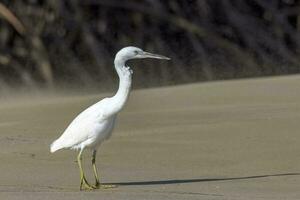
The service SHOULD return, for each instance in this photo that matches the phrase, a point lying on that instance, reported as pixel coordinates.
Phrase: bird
(95, 124)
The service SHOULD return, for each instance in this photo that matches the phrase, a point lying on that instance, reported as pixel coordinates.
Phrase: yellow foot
(84, 185)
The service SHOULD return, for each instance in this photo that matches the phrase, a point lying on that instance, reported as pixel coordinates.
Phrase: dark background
(54, 43)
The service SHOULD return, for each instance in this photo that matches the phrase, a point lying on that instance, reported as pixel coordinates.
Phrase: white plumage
(95, 124)
(88, 129)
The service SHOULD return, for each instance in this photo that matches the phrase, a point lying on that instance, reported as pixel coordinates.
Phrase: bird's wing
(81, 127)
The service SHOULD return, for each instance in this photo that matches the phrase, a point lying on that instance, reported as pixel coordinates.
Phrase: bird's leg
(97, 184)
(83, 180)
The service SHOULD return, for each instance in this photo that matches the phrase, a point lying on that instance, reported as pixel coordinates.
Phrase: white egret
(95, 124)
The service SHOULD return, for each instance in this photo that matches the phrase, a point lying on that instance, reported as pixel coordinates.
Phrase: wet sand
(222, 140)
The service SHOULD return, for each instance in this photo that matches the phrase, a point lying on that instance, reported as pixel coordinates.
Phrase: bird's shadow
(181, 181)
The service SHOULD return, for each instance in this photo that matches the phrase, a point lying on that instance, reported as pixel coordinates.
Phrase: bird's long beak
(151, 55)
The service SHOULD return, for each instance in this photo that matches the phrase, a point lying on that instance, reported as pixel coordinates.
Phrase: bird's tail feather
(55, 146)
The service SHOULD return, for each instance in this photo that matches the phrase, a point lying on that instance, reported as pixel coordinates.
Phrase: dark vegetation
(55, 42)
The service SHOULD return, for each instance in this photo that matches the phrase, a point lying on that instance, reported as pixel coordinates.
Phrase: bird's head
(128, 53)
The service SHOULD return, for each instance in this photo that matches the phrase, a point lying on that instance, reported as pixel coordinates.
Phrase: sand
(222, 140)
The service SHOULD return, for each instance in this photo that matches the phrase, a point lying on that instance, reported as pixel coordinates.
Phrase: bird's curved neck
(125, 79)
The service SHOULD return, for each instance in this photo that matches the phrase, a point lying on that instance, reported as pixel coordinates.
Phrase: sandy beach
(234, 140)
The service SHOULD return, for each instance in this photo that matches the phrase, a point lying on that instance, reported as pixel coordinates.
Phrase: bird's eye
(136, 52)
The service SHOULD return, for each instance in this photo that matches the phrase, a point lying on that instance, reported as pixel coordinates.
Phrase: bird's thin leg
(83, 180)
(98, 184)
